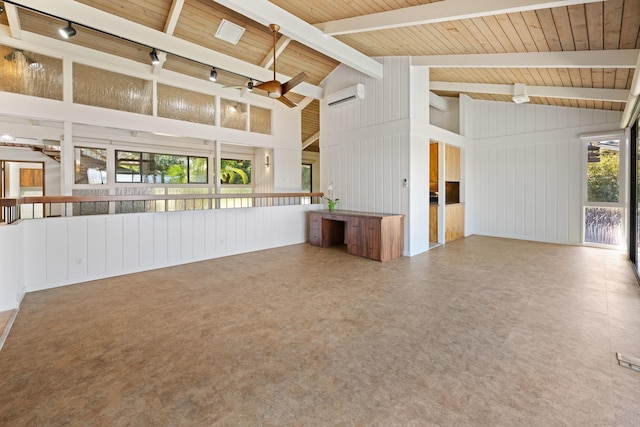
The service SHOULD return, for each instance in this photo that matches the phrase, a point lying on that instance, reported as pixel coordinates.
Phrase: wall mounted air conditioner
(346, 95)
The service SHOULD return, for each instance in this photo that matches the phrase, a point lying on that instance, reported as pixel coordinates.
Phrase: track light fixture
(1, 8)
(67, 31)
(213, 75)
(154, 56)
(250, 85)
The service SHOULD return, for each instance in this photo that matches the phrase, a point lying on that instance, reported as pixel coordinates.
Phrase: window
(235, 172)
(233, 114)
(139, 167)
(603, 207)
(90, 165)
(260, 120)
(306, 178)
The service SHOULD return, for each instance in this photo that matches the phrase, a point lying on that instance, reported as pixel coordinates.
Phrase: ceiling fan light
(68, 31)
(213, 75)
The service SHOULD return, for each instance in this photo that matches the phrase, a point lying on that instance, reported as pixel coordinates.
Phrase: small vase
(332, 206)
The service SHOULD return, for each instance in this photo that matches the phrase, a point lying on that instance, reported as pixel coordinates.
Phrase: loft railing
(14, 209)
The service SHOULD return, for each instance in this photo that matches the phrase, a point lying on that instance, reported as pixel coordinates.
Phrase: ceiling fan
(274, 88)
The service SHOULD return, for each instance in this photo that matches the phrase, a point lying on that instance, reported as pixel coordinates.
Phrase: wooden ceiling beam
(313, 138)
(442, 11)
(281, 45)
(571, 59)
(266, 13)
(586, 93)
(14, 20)
(99, 20)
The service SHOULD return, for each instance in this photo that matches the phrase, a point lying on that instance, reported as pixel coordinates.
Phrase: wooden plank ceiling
(592, 26)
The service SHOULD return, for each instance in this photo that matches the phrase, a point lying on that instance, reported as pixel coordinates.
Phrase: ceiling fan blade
(287, 102)
(272, 87)
(295, 81)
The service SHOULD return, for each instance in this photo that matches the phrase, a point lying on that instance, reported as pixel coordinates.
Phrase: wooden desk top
(338, 212)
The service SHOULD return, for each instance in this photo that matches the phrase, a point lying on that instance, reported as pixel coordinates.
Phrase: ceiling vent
(229, 32)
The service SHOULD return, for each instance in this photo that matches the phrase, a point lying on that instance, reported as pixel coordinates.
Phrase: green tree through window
(603, 172)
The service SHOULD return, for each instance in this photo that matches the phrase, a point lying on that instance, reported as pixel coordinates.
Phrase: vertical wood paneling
(97, 245)
(56, 244)
(114, 244)
(520, 196)
(77, 248)
(35, 253)
(490, 190)
(530, 188)
(199, 234)
(160, 239)
(12, 257)
(510, 191)
(562, 200)
(147, 244)
(541, 176)
(131, 242)
(123, 240)
(551, 181)
(186, 235)
(174, 233)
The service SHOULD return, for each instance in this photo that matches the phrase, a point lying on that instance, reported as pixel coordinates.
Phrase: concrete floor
(480, 332)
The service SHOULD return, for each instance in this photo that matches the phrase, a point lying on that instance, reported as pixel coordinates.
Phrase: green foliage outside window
(134, 166)
(234, 171)
(603, 182)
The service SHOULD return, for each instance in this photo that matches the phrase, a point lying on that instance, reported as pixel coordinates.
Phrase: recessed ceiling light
(229, 32)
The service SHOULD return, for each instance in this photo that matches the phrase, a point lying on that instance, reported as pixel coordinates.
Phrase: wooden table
(371, 235)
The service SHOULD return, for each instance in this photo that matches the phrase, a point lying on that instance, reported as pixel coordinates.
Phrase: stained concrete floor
(480, 332)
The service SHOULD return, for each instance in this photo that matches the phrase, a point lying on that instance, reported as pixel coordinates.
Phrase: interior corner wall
(527, 168)
(365, 144)
(418, 183)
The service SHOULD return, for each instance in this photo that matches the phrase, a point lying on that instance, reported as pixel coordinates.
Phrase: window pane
(198, 170)
(603, 225)
(101, 88)
(165, 169)
(128, 166)
(90, 165)
(306, 178)
(233, 114)
(260, 120)
(235, 171)
(603, 172)
(30, 73)
(182, 104)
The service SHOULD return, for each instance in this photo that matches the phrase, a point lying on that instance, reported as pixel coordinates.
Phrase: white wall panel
(77, 248)
(11, 262)
(96, 245)
(199, 251)
(130, 242)
(186, 235)
(35, 252)
(114, 244)
(527, 172)
(160, 238)
(56, 244)
(174, 237)
(147, 239)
